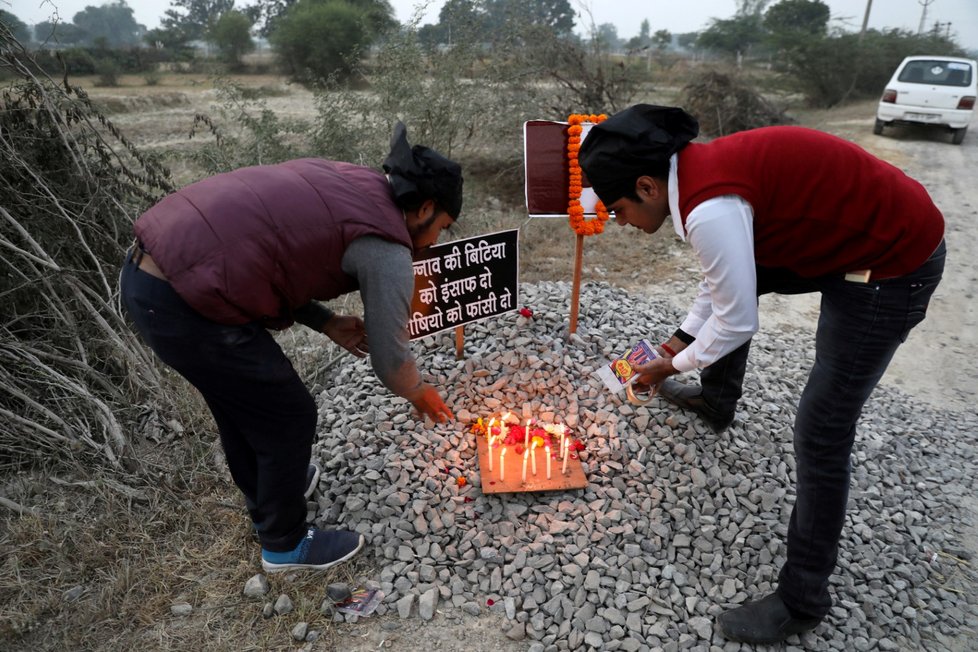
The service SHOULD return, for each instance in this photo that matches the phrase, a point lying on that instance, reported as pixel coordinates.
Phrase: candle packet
(362, 603)
(620, 372)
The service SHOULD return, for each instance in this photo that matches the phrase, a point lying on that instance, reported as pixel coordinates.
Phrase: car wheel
(878, 127)
(957, 137)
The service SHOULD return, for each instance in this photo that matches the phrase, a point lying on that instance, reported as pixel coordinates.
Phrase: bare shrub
(70, 369)
(724, 104)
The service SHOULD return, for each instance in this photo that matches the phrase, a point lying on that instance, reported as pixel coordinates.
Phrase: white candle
(546, 449)
(560, 446)
(502, 463)
(490, 452)
(526, 435)
(533, 458)
(526, 455)
(563, 469)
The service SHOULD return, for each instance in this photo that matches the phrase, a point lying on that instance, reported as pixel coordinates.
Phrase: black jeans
(860, 326)
(265, 415)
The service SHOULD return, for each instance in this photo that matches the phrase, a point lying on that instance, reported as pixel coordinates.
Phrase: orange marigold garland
(575, 211)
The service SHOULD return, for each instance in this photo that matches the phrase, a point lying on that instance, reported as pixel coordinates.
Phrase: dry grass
(191, 542)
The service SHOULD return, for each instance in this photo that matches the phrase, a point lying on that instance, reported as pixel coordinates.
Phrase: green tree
(112, 21)
(607, 35)
(459, 19)
(791, 21)
(16, 26)
(556, 15)
(56, 32)
(662, 39)
(190, 20)
(645, 32)
(732, 35)
(378, 14)
(231, 34)
(317, 39)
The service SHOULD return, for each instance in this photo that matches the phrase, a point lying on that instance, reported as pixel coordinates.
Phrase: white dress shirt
(724, 313)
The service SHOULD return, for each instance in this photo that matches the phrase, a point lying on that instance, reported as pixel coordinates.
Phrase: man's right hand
(428, 403)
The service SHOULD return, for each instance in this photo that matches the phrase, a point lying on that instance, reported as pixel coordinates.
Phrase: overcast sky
(626, 15)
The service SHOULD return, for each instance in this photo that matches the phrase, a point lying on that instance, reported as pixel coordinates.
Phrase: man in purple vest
(224, 259)
(787, 210)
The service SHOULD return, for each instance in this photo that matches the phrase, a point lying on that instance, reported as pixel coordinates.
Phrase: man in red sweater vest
(787, 210)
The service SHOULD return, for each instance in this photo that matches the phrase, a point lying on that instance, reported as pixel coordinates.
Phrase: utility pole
(862, 32)
(923, 15)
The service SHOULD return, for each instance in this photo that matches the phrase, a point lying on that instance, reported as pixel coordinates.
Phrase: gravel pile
(677, 523)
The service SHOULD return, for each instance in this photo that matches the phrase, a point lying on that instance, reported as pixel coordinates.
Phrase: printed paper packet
(620, 373)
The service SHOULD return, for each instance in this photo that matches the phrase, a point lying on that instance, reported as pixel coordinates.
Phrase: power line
(923, 15)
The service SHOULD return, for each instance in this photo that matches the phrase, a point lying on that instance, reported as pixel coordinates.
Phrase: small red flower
(490, 602)
(526, 312)
(461, 481)
(578, 445)
(469, 499)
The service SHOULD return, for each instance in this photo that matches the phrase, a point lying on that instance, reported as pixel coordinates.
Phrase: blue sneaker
(318, 550)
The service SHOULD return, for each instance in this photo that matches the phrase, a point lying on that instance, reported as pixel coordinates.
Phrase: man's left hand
(348, 332)
(653, 372)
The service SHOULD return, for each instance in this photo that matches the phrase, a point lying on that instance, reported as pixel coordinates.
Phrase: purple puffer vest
(258, 242)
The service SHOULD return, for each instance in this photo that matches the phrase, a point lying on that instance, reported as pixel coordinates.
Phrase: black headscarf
(419, 173)
(630, 143)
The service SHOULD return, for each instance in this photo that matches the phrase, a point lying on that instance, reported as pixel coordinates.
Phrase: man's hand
(428, 403)
(348, 332)
(653, 372)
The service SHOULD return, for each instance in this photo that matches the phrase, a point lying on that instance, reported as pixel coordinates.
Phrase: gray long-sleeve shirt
(385, 274)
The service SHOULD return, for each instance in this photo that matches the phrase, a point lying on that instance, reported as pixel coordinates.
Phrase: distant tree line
(322, 40)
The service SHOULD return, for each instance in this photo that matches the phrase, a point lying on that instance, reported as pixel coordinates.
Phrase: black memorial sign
(464, 281)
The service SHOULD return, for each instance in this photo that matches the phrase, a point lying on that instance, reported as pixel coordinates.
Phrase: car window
(936, 71)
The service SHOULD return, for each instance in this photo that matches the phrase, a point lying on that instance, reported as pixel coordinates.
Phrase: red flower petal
(490, 602)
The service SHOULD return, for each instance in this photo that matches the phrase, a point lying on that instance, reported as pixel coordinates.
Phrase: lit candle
(489, 429)
(560, 446)
(533, 458)
(526, 436)
(502, 463)
(546, 449)
(491, 438)
(563, 469)
(526, 455)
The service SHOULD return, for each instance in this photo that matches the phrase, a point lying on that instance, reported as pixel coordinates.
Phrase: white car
(930, 90)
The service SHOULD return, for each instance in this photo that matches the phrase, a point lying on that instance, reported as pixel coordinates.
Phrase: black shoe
(690, 397)
(764, 621)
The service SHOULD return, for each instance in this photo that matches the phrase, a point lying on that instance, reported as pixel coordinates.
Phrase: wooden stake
(576, 289)
(459, 342)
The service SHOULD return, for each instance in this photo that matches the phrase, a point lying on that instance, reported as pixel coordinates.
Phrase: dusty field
(935, 366)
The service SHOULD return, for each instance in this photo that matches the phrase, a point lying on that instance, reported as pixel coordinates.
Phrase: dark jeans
(860, 326)
(266, 416)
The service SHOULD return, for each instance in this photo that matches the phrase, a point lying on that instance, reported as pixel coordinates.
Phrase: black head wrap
(419, 173)
(630, 143)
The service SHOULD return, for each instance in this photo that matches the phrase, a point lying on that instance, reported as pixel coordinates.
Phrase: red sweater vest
(258, 242)
(821, 204)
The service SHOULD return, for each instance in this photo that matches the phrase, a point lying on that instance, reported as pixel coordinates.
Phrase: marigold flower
(575, 187)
